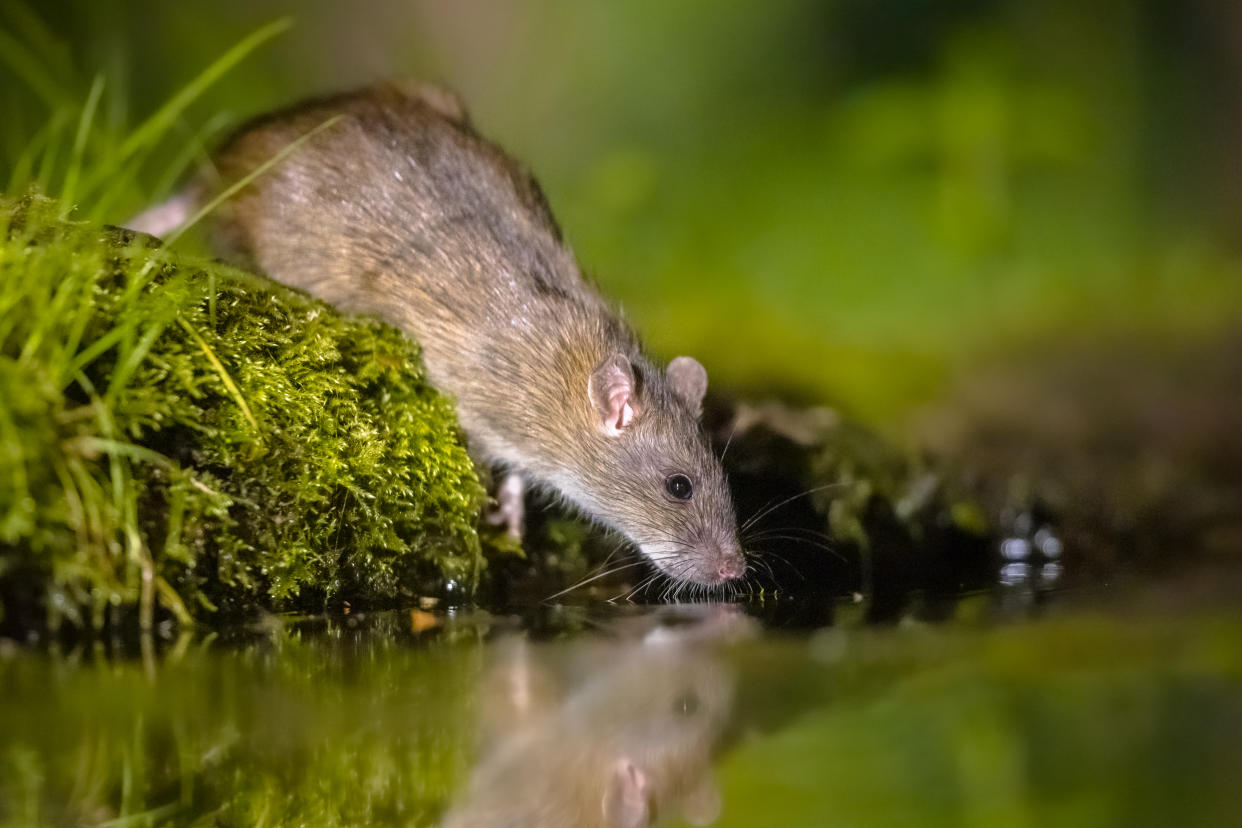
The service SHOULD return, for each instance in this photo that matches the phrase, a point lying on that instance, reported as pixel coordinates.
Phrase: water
(1001, 713)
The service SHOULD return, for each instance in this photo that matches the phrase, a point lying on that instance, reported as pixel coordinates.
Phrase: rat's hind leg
(510, 505)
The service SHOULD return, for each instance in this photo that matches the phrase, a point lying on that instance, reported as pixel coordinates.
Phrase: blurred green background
(855, 201)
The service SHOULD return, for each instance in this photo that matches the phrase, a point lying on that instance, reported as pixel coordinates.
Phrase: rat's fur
(402, 210)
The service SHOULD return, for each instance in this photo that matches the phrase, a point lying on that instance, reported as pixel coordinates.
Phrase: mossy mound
(184, 435)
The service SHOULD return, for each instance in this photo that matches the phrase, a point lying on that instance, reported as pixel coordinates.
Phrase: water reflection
(614, 732)
(606, 715)
(1029, 566)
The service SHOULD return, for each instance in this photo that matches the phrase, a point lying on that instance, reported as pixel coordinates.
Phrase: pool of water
(1098, 710)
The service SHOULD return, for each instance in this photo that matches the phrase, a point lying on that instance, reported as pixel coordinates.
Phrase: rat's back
(387, 195)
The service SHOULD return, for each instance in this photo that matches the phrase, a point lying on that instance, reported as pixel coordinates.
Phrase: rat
(608, 732)
(393, 205)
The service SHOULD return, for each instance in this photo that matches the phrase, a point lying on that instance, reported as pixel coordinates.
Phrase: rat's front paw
(510, 508)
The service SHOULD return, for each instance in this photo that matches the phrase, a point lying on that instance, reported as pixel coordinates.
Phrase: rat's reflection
(615, 733)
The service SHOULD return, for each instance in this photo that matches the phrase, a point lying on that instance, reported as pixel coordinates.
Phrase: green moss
(182, 433)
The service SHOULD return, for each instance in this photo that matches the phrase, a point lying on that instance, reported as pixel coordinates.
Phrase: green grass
(182, 434)
(179, 437)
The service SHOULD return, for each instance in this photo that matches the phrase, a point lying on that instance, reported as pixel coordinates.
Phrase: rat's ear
(613, 391)
(689, 381)
(625, 796)
(444, 101)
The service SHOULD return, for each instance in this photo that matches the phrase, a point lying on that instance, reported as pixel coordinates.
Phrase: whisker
(769, 509)
(812, 533)
(807, 541)
(760, 554)
(641, 585)
(729, 442)
(759, 560)
(591, 578)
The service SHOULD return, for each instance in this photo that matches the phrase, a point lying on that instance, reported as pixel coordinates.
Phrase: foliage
(179, 431)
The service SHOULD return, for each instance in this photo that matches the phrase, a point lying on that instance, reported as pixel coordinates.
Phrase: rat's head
(663, 488)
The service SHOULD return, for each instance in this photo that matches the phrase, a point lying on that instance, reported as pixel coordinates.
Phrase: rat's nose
(732, 565)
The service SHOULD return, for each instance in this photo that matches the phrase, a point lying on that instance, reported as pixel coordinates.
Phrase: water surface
(1001, 713)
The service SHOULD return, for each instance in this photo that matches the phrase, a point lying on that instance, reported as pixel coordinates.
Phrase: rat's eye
(678, 485)
(686, 705)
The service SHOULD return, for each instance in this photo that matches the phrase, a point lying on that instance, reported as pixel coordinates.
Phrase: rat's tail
(165, 217)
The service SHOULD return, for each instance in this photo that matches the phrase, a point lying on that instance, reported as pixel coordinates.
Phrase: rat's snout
(710, 563)
(722, 561)
(730, 563)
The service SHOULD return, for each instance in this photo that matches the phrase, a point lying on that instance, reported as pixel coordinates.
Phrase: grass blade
(154, 127)
(194, 149)
(223, 373)
(126, 367)
(51, 153)
(36, 146)
(237, 186)
(69, 190)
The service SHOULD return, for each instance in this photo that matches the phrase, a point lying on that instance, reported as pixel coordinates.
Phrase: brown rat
(626, 743)
(400, 209)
